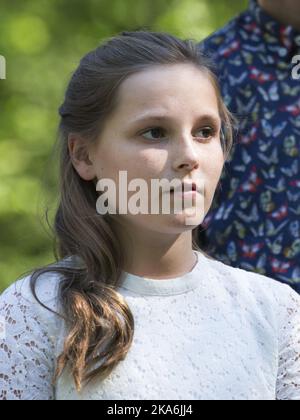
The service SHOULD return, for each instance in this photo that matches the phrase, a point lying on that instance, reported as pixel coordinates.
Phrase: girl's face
(166, 125)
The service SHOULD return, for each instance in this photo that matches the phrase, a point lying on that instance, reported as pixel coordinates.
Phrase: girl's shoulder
(19, 305)
(46, 286)
(29, 336)
(46, 289)
(255, 287)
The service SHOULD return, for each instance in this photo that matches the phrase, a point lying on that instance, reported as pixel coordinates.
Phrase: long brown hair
(100, 323)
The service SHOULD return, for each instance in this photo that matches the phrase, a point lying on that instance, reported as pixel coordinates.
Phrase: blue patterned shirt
(254, 223)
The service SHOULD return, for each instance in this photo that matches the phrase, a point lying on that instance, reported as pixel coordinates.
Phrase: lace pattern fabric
(235, 336)
(28, 341)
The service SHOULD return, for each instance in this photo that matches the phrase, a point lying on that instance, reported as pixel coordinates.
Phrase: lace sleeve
(288, 381)
(27, 346)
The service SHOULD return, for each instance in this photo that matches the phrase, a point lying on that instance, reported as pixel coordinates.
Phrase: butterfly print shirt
(254, 223)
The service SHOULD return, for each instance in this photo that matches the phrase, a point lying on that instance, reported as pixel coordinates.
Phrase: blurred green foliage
(43, 41)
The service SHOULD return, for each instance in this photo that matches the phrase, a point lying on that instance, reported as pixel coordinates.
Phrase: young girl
(132, 309)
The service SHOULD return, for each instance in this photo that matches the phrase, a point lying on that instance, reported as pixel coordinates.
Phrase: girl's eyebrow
(159, 117)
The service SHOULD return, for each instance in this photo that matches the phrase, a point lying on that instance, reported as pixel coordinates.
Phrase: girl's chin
(188, 217)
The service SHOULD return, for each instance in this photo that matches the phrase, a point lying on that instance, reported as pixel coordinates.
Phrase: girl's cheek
(217, 161)
(213, 171)
(213, 162)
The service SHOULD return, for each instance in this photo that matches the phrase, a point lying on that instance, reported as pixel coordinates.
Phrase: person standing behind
(254, 223)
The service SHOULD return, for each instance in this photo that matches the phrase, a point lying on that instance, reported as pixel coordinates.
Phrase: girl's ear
(80, 157)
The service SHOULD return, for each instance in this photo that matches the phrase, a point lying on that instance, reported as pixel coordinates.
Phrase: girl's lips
(185, 194)
(186, 186)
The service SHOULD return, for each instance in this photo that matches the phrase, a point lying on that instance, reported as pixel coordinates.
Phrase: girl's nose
(186, 155)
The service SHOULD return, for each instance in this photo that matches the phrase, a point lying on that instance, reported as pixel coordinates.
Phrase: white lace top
(217, 333)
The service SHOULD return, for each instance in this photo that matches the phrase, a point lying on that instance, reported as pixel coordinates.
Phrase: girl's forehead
(165, 77)
(167, 89)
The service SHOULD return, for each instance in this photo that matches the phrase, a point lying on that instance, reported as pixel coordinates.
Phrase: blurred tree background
(42, 42)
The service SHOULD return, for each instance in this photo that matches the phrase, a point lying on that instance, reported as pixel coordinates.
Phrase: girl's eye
(158, 132)
(155, 131)
(206, 132)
